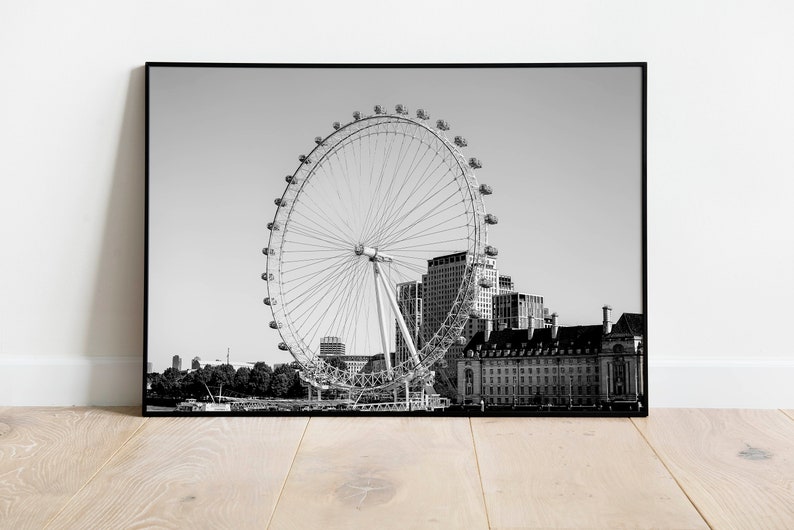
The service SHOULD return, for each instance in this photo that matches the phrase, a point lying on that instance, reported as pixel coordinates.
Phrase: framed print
(418, 239)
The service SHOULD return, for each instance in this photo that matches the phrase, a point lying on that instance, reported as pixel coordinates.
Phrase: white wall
(720, 144)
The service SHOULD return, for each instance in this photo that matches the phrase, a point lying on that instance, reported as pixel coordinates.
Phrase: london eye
(366, 208)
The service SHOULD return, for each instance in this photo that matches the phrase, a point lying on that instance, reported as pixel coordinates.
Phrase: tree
(166, 384)
(172, 375)
(287, 383)
(193, 383)
(221, 375)
(259, 380)
(241, 380)
(336, 362)
(280, 384)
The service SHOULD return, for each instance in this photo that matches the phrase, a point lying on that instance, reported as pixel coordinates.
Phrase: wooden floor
(679, 468)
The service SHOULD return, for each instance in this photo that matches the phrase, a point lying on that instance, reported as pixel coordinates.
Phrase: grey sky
(561, 148)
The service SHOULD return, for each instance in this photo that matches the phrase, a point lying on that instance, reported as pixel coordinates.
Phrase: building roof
(567, 337)
(453, 255)
(629, 324)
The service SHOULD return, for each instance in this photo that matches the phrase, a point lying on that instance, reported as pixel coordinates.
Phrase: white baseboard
(721, 383)
(67, 381)
(116, 381)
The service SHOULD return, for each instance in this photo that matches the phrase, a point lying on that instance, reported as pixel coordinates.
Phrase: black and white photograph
(396, 239)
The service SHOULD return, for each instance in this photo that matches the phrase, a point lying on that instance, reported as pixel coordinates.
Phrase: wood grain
(383, 473)
(737, 466)
(191, 473)
(789, 413)
(48, 454)
(575, 473)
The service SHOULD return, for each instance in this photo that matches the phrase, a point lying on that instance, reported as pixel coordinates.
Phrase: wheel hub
(372, 253)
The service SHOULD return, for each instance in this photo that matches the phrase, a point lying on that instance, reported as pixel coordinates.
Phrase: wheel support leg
(392, 299)
(384, 330)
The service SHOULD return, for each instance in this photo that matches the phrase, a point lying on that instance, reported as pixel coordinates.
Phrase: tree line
(258, 381)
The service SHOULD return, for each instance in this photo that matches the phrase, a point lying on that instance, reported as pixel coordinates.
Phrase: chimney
(607, 319)
(531, 328)
(487, 332)
(554, 326)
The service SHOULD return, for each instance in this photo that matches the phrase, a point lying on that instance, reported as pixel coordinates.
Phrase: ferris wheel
(366, 209)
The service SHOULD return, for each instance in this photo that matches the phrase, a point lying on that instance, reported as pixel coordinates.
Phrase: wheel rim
(399, 187)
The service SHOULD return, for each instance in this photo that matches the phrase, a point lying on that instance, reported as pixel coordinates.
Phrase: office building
(505, 284)
(514, 310)
(440, 288)
(332, 346)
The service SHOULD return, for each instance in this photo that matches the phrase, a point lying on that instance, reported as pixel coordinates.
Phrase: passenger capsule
(442, 125)
(485, 283)
(275, 325)
(318, 140)
(280, 202)
(401, 109)
(461, 141)
(337, 125)
(474, 163)
(268, 276)
(491, 219)
(475, 313)
(273, 226)
(422, 114)
(283, 346)
(305, 159)
(461, 340)
(379, 109)
(269, 251)
(357, 115)
(485, 189)
(491, 251)
(270, 301)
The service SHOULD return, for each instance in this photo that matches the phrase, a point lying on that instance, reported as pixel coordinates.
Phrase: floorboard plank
(737, 466)
(383, 473)
(48, 454)
(575, 473)
(191, 473)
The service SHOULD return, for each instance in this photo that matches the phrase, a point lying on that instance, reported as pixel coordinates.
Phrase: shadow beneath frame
(115, 325)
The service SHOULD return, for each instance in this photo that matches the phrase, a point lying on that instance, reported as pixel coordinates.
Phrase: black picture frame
(186, 118)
